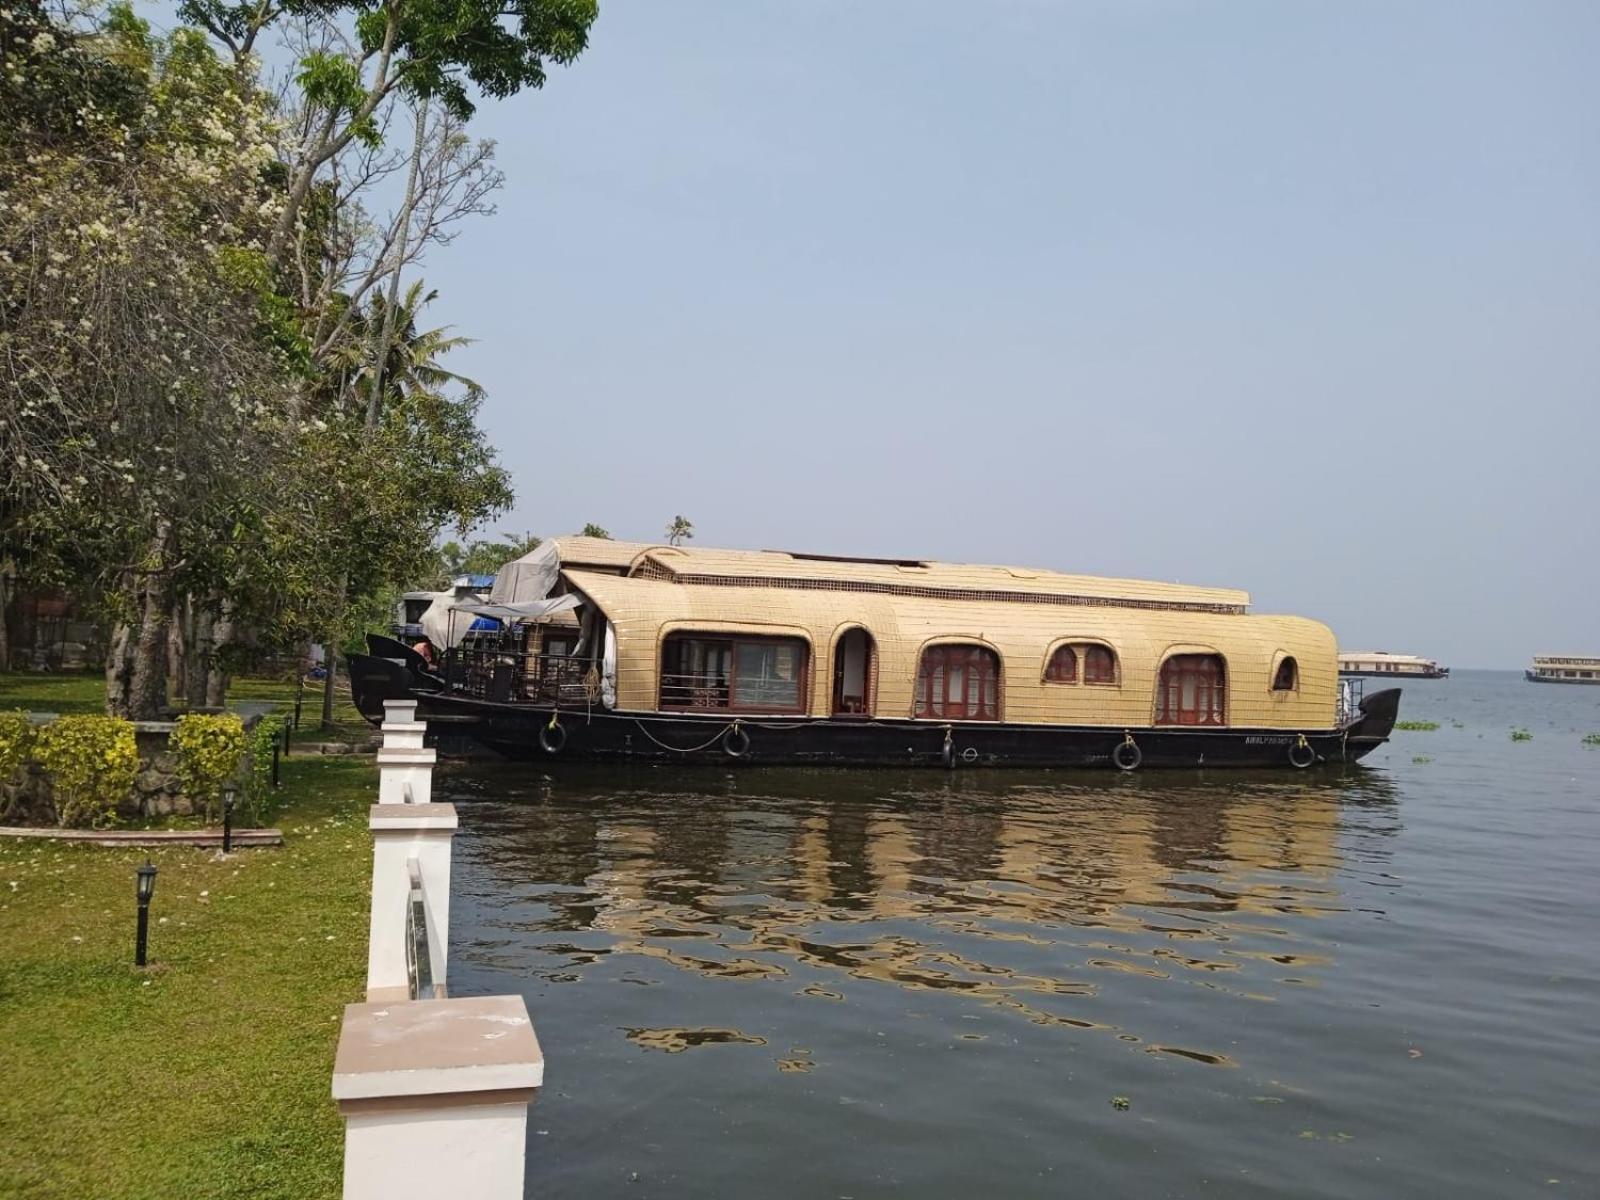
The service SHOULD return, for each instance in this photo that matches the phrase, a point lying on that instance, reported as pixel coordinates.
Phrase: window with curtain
(1063, 666)
(958, 683)
(738, 674)
(1099, 665)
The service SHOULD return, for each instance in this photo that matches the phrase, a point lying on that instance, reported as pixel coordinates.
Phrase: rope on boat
(715, 738)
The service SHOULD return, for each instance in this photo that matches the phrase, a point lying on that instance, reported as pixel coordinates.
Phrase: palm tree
(679, 531)
(411, 363)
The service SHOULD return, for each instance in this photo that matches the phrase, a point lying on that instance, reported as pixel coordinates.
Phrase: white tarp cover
(528, 578)
(528, 610)
(608, 668)
(443, 632)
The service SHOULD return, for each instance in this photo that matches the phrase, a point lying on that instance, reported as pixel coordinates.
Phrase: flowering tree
(140, 369)
(214, 396)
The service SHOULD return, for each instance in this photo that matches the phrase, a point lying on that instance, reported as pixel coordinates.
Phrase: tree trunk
(136, 662)
(7, 569)
(217, 679)
(180, 641)
(380, 348)
(202, 651)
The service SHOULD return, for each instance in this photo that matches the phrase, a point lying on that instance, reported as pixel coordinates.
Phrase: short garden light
(229, 798)
(145, 888)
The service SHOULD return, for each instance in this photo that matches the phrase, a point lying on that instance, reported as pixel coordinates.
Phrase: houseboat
(1381, 664)
(1563, 668)
(629, 651)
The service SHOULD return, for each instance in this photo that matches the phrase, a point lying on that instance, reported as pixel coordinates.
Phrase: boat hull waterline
(531, 732)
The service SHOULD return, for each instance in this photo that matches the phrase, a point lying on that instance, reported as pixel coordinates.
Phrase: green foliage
(246, 268)
(595, 531)
(92, 762)
(143, 409)
(332, 82)
(480, 556)
(17, 735)
(258, 784)
(499, 46)
(1420, 759)
(193, 309)
(1591, 739)
(679, 530)
(1417, 726)
(1521, 735)
(208, 747)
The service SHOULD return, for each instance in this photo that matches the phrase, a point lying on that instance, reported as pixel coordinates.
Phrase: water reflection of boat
(630, 651)
(968, 886)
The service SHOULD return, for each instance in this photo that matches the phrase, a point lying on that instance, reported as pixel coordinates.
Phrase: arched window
(1099, 664)
(958, 683)
(1063, 666)
(1287, 677)
(1193, 691)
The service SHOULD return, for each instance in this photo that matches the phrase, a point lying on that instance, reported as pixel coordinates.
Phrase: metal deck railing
(419, 957)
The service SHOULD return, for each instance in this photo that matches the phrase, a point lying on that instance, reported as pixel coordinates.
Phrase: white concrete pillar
(435, 1095)
(401, 832)
(400, 712)
(399, 734)
(405, 776)
(405, 766)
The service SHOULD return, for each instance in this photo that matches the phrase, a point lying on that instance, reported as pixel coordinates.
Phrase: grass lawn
(41, 692)
(86, 693)
(207, 1074)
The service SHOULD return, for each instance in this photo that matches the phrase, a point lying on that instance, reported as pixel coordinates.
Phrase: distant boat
(1563, 668)
(1382, 664)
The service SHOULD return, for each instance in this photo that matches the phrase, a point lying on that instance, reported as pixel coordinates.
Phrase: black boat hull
(539, 732)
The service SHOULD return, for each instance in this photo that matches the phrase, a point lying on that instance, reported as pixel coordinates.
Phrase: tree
(405, 362)
(217, 399)
(679, 531)
(138, 369)
(595, 531)
(432, 51)
(486, 557)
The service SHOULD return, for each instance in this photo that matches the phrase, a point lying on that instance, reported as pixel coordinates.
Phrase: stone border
(205, 839)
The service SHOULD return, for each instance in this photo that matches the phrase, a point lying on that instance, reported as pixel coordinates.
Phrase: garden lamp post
(145, 888)
(229, 798)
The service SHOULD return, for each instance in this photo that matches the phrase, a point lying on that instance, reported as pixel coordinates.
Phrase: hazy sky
(1299, 298)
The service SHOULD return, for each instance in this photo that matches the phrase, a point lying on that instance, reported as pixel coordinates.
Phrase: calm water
(778, 983)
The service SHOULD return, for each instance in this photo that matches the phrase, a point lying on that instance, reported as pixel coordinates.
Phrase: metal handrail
(514, 675)
(419, 958)
(1351, 692)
